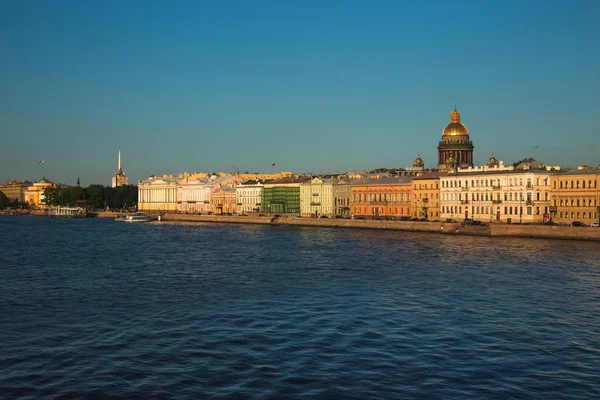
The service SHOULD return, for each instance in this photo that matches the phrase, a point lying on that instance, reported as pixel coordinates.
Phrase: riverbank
(493, 230)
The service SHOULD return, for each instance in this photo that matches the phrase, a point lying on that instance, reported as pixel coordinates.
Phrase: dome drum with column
(456, 148)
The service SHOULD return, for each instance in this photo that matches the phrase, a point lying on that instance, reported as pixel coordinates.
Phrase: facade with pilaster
(576, 196)
(158, 193)
(499, 193)
(249, 196)
(381, 198)
(426, 196)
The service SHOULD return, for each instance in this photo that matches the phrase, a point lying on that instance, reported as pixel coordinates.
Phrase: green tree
(518, 162)
(95, 196)
(4, 202)
(52, 196)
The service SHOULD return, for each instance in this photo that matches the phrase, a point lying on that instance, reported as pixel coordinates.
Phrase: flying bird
(272, 165)
(41, 161)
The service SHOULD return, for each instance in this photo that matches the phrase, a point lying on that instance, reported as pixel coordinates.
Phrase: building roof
(579, 171)
(430, 175)
(290, 179)
(403, 180)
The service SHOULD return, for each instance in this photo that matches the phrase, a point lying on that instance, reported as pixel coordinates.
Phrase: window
(528, 210)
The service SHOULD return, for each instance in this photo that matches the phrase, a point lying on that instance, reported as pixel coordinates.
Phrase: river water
(98, 309)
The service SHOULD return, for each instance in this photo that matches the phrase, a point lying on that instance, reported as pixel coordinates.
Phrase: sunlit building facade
(158, 193)
(498, 193)
(249, 196)
(380, 198)
(576, 195)
(34, 195)
(426, 195)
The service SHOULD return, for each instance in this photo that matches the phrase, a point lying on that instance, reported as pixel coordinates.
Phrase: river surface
(99, 309)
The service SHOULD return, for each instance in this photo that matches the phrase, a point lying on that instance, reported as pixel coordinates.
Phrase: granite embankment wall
(107, 214)
(217, 218)
(544, 231)
(494, 230)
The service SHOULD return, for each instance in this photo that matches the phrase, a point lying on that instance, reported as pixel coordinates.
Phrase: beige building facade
(316, 198)
(576, 196)
(34, 195)
(426, 196)
(498, 193)
(158, 193)
(15, 190)
(249, 196)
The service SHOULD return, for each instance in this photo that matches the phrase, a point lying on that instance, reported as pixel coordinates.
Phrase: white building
(497, 193)
(248, 196)
(193, 196)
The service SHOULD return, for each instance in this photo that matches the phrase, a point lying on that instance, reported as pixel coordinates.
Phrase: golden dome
(455, 128)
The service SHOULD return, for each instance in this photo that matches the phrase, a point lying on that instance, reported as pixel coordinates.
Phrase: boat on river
(137, 217)
(68, 212)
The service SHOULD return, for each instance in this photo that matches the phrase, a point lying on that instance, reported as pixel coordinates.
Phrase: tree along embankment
(493, 230)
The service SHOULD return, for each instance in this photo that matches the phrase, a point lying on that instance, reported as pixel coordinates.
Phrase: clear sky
(309, 85)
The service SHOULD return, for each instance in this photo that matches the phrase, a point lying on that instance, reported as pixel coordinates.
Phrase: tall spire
(120, 170)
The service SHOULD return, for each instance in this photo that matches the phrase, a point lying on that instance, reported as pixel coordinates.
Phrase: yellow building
(316, 198)
(15, 190)
(575, 195)
(426, 195)
(258, 176)
(34, 196)
(158, 193)
(223, 200)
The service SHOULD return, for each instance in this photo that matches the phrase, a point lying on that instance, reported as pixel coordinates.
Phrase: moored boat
(68, 212)
(137, 217)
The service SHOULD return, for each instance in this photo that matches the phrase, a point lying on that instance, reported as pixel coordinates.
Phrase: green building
(282, 196)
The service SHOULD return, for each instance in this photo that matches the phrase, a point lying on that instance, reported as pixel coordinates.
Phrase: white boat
(68, 212)
(137, 217)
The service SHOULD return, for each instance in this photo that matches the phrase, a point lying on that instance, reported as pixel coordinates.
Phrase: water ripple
(94, 309)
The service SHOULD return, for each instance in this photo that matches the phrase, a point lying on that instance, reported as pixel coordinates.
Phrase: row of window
(380, 211)
(424, 186)
(402, 196)
(577, 202)
(492, 182)
(577, 184)
(584, 215)
(485, 210)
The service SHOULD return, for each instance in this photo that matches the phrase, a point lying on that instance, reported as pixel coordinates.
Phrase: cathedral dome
(455, 128)
(492, 161)
(418, 163)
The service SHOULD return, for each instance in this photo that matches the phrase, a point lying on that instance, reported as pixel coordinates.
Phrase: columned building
(35, 196)
(456, 148)
(158, 193)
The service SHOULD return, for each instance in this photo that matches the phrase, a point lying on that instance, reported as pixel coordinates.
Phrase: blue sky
(312, 86)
